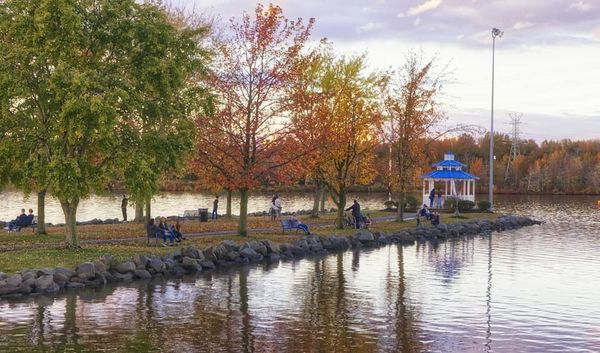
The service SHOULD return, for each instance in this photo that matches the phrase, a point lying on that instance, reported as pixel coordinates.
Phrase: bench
(288, 224)
(32, 225)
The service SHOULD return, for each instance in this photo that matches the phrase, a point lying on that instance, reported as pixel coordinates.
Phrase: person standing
(440, 200)
(124, 207)
(431, 197)
(355, 208)
(278, 206)
(214, 214)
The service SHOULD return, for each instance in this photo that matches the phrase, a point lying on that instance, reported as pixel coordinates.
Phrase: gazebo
(457, 183)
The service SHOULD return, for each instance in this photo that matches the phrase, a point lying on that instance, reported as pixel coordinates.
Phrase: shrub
(465, 205)
(390, 204)
(410, 202)
(484, 205)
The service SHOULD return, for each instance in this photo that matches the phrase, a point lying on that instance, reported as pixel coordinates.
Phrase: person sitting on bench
(295, 223)
(424, 212)
(17, 222)
(153, 231)
(435, 219)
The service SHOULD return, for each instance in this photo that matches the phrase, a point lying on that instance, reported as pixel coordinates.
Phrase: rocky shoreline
(189, 260)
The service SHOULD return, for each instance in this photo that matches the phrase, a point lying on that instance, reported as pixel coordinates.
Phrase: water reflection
(508, 292)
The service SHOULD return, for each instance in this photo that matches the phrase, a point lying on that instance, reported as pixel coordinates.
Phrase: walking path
(188, 235)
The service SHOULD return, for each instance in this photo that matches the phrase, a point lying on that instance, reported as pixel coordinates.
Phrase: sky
(547, 61)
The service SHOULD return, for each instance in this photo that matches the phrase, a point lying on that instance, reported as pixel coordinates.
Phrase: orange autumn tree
(342, 114)
(248, 139)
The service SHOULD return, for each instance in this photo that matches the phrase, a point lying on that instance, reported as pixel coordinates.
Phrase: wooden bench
(33, 225)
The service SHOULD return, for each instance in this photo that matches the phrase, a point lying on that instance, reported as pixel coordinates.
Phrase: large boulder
(271, 246)
(364, 236)
(142, 274)
(251, 254)
(126, 267)
(156, 265)
(207, 264)
(86, 270)
(258, 247)
(192, 252)
(190, 264)
(45, 285)
(14, 280)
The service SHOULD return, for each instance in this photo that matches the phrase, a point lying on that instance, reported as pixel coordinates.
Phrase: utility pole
(515, 121)
(495, 33)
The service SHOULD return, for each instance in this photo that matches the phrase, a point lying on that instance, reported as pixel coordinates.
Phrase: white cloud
(596, 32)
(581, 6)
(417, 21)
(426, 6)
(369, 27)
(522, 25)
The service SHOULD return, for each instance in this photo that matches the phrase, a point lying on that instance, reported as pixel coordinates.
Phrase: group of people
(438, 202)
(22, 220)
(165, 231)
(426, 213)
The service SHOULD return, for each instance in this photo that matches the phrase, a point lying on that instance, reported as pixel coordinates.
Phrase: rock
(86, 270)
(272, 258)
(190, 264)
(251, 254)
(64, 272)
(45, 285)
(60, 279)
(142, 274)
(100, 266)
(192, 252)
(271, 246)
(364, 236)
(14, 280)
(259, 247)
(140, 262)
(3, 276)
(44, 272)
(126, 267)
(207, 264)
(156, 265)
(232, 256)
(125, 277)
(75, 285)
(297, 250)
(107, 259)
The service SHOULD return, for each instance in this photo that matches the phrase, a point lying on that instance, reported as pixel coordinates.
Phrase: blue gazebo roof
(449, 163)
(449, 174)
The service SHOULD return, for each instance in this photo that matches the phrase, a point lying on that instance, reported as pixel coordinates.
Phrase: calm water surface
(531, 290)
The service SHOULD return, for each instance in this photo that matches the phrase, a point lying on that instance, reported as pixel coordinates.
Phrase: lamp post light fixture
(495, 33)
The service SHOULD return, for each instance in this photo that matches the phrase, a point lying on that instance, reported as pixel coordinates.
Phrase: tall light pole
(495, 33)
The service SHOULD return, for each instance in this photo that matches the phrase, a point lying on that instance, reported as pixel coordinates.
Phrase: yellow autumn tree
(348, 117)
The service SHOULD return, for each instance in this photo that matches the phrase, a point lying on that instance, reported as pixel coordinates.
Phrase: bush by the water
(390, 204)
(463, 205)
(484, 205)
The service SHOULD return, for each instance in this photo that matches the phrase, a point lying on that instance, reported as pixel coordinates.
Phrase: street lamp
(495, 33)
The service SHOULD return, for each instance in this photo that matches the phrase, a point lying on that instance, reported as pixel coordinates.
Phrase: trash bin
(203, 214)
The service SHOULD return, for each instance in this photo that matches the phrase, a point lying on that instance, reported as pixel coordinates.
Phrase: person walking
(431, 197)
(355, 208)
(124, 207)
(214, 214)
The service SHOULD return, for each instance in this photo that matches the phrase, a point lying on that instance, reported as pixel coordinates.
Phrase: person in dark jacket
(214, 214)
(355, 208)
(431, 197)
(153, 231)
(124, 207)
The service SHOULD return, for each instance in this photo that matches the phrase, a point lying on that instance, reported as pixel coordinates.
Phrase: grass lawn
(46, 253)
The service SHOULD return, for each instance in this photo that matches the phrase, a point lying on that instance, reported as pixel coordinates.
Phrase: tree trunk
(228, 211)
(41, 211)
(69, 208)
(243, 225)
(340, 203)
(148, 210)
(401, 202)
(139, 212)
(317, 200)
(323, 195)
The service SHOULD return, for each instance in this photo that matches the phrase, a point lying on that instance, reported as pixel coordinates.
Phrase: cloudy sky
(547, 62)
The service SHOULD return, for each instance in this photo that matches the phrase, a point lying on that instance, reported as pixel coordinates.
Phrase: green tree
(84, 83)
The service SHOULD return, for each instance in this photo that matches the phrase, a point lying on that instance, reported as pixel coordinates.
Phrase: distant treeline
(564, 166)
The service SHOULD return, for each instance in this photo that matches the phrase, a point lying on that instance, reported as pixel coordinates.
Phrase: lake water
(536, 289)
(168, 204)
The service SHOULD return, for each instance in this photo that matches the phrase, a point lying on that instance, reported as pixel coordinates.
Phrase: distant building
(450, 178)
